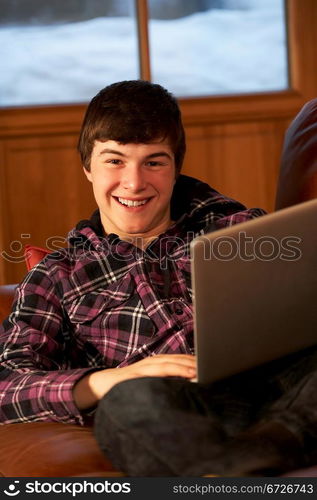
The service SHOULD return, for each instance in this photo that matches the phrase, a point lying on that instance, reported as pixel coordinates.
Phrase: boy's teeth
(131, 203)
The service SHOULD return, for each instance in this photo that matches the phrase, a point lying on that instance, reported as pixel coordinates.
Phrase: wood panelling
(238, 159)
(234, 144)
(45, 194)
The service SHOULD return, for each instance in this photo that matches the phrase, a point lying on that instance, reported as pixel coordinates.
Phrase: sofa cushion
(33, 255)
(44, 449)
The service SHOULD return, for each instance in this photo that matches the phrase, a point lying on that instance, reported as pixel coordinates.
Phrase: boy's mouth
(132, 203)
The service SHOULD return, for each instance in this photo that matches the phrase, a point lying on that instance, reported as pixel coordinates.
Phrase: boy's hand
(91, 388)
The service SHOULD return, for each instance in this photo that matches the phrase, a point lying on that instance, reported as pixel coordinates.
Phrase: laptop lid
(255, 291)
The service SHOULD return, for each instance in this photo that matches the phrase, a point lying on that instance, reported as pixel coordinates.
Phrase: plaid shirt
(103, 303)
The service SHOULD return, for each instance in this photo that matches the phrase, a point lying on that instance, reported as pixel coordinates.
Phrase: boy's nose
(133, 179)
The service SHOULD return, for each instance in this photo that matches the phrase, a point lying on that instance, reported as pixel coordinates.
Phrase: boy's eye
(153, 163)
(113, 161)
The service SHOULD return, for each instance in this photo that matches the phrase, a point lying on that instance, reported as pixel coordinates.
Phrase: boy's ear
(88, 174)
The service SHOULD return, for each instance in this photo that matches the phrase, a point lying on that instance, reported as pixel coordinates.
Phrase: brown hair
(134, 111)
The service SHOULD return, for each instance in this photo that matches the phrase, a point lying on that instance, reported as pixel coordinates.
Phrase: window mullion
(143, 39)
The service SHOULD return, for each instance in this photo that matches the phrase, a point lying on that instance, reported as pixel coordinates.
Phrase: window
(64, 52)
(219, 46)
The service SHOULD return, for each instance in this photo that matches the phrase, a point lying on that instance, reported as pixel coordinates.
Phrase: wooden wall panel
(196, 161)
(241, 160)
(45, 192)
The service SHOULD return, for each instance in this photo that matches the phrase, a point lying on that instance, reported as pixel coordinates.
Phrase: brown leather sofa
(44, 449)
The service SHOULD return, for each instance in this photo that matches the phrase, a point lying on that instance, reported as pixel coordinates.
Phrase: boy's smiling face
(133, 185)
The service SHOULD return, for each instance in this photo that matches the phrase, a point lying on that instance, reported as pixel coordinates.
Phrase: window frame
(302, 54)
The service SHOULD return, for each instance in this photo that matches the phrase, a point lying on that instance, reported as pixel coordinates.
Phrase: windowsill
(26, 121)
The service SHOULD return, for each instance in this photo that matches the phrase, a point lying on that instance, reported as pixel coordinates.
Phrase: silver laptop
(255, 291)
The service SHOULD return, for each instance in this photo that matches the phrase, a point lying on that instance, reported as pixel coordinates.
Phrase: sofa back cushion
(33, 255)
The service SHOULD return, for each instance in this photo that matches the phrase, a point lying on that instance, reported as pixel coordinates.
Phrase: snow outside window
(234, 46)
(64, 52)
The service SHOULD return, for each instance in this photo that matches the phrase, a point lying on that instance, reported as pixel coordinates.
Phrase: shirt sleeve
(36, 383)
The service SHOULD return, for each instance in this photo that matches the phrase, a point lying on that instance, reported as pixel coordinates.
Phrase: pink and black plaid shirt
(103, 303)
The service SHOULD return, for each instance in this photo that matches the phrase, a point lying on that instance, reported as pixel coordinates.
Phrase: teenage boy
(106, 324)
